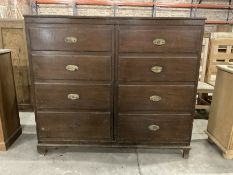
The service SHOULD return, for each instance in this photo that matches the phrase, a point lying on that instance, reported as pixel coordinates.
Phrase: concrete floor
(23, 159)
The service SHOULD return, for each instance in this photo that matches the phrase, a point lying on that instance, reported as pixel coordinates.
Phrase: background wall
(16, 9)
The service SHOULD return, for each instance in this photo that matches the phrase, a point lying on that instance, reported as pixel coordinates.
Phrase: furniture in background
(12, 36)
(203, 95)
(118, 82)
(10, 128)
(204, 58)
(203, 88)
(220, 125)
(220, 53)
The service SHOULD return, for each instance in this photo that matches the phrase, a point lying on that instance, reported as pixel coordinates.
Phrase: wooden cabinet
(121, 82)
(10, 128)
(220, 124)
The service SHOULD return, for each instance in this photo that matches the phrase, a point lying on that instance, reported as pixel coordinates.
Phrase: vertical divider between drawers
(115, 82)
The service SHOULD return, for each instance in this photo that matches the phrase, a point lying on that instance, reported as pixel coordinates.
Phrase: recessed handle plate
(71, 39)
(155, 98)
(71, 68)
(153, 127)
(73, 96)
(159, 41)
(157, 69)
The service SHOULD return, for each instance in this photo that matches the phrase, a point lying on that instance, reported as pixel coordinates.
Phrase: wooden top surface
(227, 68)
(113, 17)
(114, 20)
(2, 51)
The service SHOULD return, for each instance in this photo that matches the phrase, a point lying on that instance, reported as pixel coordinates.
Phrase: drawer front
(82, 126)
(73, 96)
(154, 128)
(70, 37)
(75, 67)
(157, 69)
(160, 39)
(156, 97)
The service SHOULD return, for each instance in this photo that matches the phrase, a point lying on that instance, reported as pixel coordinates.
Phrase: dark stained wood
(89, 38)
(173, 97)
(115, 81)
(140, 38)
(185, 153)
(74, 126)
(138, 68)
(172, 128)
(91, 97)
(10, 128)
(53, 67)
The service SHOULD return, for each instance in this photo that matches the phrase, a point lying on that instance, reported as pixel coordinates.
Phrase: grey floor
(23, 159)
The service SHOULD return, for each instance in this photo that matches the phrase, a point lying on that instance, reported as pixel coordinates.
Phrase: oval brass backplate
(73, 96)
(71, 39)
(157, 69)
(155, 98)
(71, 68)
(159, 41)
(153, 127)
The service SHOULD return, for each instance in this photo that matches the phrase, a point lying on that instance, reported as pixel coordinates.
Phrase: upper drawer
(160, 39)
(71, 37)
(72, 67)
(133, 68)
(156, 98)
(73, 96)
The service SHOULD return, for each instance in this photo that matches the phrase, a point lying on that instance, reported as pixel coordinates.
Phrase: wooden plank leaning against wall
(12, 36)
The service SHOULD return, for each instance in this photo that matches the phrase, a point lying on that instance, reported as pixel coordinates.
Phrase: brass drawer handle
(72, 68)
(71, 39)
(155, 98)
(159, 41)
(153, 127)
(157, 69)
(73, 96)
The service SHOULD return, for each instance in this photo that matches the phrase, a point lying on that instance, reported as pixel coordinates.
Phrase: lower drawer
(149, 128)
(74, 126)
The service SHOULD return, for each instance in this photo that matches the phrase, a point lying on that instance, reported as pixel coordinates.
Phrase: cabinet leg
(42, 150)
(227, 156)
(185, 153)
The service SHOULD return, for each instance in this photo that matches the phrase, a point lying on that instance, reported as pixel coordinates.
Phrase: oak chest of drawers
(102, 81)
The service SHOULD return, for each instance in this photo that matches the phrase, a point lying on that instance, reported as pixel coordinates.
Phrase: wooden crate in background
(204, 89)
(220, 53)
(204, 58)
(12, 36)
